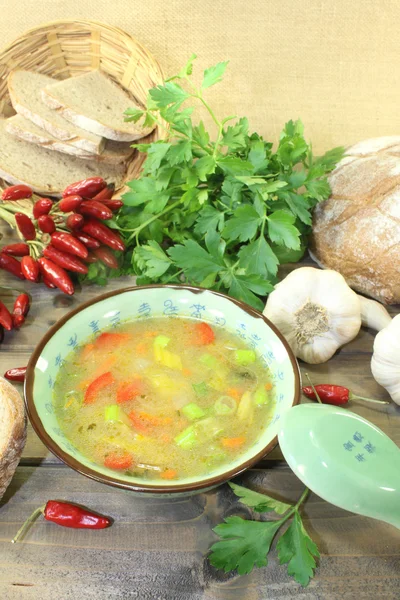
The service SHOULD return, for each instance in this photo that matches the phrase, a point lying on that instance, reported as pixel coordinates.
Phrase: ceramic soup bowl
(170, 301)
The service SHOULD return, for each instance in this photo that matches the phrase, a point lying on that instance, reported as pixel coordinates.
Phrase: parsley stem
(294, 508)
(137, 230)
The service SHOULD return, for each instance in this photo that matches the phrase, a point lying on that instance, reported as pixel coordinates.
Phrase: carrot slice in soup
(203, 335)
(138, 423)
(128, 390)
(154, 420)
(169, 474)
(110, 340)
(88, 349)
(233, 442)
(96, 386)
(118, 461)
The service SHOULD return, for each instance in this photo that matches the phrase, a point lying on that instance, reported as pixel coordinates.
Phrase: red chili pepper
(68, 243)
(105, 235)
(75, 222)
(335, 394)
(106, 257)
(11, 264)
(42, 207)
(91, 258)
(19, 249)
(30, 268)
(20, 310)
(56, 275)
(86, 188)
(25, 225)
(48, 283)
(70, 203)
(66, 515)
(113, 205)
(16, 192)
(67, 261)
(89, 242)
(5, 317)
(106, 193)
(46, 224)
(16, 374)
(93, 208)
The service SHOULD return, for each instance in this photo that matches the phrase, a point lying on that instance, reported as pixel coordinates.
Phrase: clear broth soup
(163, 398)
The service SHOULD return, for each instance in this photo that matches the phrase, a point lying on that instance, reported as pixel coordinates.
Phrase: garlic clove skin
(385, 363)
(316, 312)
(373, 314)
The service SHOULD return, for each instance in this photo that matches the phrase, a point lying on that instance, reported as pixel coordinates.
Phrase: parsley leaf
(209, 219)
(243, 286)
(195, 261)
(297, 549)
(258, 257)
(282, 231)
(259, 502)
(245, 544)
(243, 225)
(214, 74)
(151, 259)
(235, 136)
(169, 93)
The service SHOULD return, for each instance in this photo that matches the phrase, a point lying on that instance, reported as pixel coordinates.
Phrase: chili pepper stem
(5, 215)
(22, 530)
(314, 390)
(355, 397)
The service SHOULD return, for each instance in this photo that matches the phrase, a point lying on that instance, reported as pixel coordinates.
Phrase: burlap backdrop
(333, 63)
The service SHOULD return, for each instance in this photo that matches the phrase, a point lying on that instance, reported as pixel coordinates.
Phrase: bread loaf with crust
(12, 432)
(357, 230)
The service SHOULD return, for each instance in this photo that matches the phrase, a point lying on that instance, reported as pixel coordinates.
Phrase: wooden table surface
(156, 548)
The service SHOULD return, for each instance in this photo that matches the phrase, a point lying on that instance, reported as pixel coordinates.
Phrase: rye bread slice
(20, 127)
(45, 171)
(94, 102)
(25, 89)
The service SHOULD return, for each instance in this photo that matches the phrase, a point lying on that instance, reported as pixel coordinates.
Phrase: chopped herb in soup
(163, 398)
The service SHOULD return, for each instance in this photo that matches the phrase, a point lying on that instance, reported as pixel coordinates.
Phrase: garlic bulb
(373, 314)
(316, 311)
(385, 363)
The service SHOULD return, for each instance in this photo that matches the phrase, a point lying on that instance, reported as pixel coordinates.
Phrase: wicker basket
(68, 48)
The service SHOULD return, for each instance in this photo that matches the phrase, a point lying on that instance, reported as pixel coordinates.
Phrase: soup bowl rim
(154, 488)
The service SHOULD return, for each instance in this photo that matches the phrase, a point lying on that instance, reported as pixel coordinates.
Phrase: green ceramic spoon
(344, 459)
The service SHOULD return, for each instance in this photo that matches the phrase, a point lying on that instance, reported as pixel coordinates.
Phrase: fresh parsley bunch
(221, 213)
(245, 544)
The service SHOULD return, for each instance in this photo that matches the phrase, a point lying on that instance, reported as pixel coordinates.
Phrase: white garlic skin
(385, 363)
(373, 314)
(326, 289)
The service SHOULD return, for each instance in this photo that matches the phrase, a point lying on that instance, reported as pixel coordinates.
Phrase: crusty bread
(357, 230)
(113, 153)
(45, 171)
(12, 432)
(95, 103)
(25, 89)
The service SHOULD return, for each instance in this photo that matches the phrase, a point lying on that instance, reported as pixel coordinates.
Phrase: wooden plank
(156, 547)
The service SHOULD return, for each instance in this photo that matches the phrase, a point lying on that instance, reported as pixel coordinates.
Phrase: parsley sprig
(219, 211)
(245, 544)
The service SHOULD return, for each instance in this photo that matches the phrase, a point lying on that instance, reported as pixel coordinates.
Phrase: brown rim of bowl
(77, 466)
